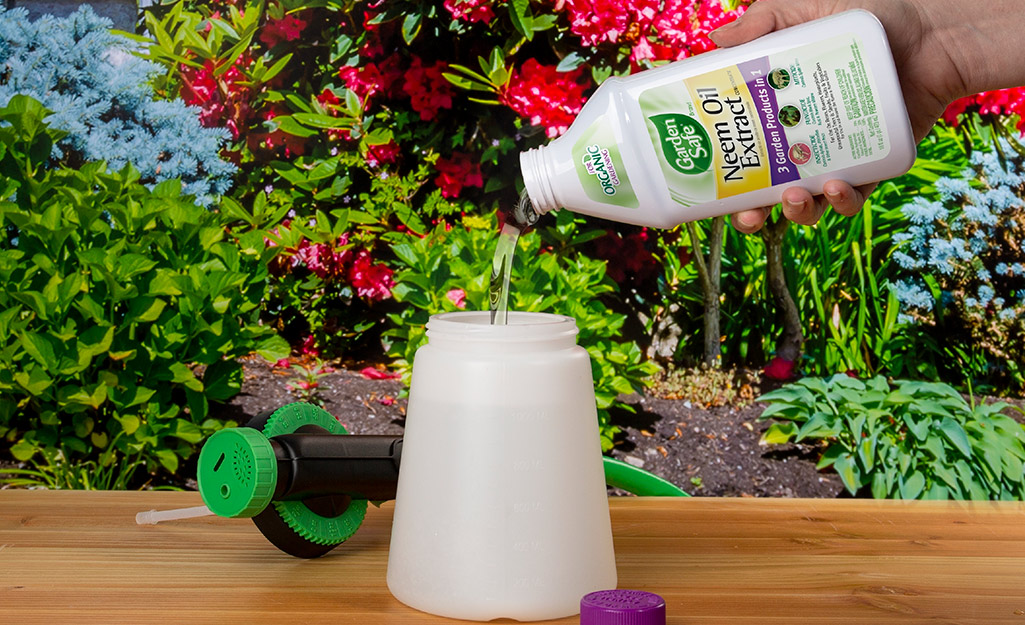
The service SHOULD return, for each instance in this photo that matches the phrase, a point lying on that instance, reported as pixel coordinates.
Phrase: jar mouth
(476, 325)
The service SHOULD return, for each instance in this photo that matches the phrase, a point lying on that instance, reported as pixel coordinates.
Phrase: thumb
(761, 18)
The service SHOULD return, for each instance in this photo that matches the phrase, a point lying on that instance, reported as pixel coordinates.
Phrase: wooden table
(79, 557)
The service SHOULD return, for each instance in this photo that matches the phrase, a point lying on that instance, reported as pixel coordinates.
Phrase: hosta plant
(911, 440)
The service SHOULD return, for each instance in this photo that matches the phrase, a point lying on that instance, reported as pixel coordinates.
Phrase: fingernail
(798, 206)
(748, 221)
(833, 196)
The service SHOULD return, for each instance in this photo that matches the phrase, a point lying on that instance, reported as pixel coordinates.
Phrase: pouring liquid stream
(523, 217)
(501, 271)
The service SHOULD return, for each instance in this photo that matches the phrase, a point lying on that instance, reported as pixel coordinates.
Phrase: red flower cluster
(629, 255)
(373, 78)
(339, 263)
(287, 28)
(309, 347)
(326, 261)
(545, 96)
(428, 90)
(457, 172)
(371, 280)
(382, 154)
(203, 88)
(780, 369)
(654, 29)
(1002, 102)
(471, 10)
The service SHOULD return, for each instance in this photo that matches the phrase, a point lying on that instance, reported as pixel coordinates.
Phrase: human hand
(922, 49)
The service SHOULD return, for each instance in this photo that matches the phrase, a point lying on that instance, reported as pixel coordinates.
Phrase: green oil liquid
(501, 269)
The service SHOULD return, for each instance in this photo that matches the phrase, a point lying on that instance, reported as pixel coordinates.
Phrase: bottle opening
(521, 326)
(536, 180)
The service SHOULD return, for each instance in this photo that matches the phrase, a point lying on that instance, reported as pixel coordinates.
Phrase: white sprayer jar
(731, 129)
(501, 508)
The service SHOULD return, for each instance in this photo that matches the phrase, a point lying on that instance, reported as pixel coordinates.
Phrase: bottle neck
(536, 169)
(472, 331)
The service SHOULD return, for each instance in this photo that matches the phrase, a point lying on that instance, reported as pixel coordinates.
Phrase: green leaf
(165, 282)
(522, 18)
(289, 124)
(35, 381)
(411, 26)
(168, 459)
(130, 265)
(23, 451)
(913, 486)
(820, 425)
(829, 456)
(145, 309)
(129, 423)
(223, 380)
(847, 469)
(187, 431)
(880, 488)
(570, 62)
(94, 342)
(41, 348)
(919, 428)
(779, 433)
(273, 348)
(954, 433)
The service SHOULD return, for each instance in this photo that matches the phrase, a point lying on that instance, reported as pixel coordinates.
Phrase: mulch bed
(705, 451)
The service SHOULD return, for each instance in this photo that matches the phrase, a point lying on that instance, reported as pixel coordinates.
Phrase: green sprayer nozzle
(237, 472)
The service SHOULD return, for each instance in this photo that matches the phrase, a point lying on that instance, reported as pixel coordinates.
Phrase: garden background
(230, 204)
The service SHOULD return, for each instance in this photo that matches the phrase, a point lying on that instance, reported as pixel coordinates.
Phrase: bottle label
(771, 120)
(600, 168)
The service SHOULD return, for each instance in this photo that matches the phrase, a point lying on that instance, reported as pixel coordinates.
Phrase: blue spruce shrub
(963, 259)
(99, 94)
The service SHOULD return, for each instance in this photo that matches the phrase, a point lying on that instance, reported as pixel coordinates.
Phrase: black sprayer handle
(315, 464)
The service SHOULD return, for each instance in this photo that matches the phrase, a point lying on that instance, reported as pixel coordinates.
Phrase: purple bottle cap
(622, 607)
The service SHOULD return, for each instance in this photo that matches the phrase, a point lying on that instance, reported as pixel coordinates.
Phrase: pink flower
(364, 81)
(654, 29)
(546, 96)
(309, 346)
(378, 155)
(596, 21)
(1003, 102)
(302, 384)
(222, 99)
(457, 172)
(956, 108)
(428, 90)
(282, 364)
(328, 98)
(371, 280)
(326, 261)
(287, 28)
(387, 400)
(371, 79)
(371, 373)
(471, 10)
(780, 369)
(457, 297)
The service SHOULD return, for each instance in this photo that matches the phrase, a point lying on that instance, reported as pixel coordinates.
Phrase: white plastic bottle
(731, 129)
(501, 509)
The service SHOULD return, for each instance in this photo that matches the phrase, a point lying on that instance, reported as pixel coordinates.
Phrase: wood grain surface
(79, 557)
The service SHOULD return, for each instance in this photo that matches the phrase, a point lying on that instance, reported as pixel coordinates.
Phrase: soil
(705, 451)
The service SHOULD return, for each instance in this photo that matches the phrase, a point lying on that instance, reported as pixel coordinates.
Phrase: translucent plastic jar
(501, 508)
